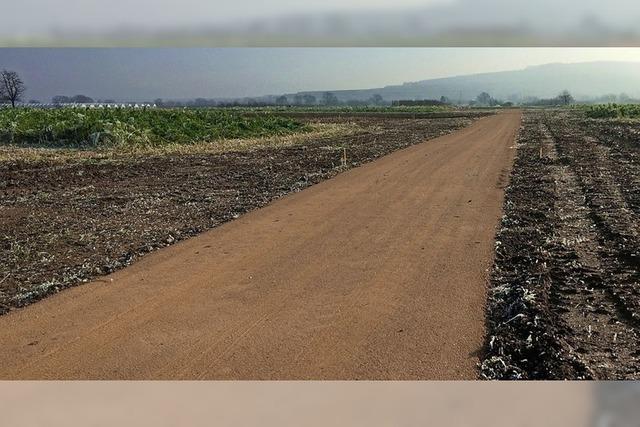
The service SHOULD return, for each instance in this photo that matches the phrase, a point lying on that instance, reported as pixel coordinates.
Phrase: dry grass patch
(9, 152)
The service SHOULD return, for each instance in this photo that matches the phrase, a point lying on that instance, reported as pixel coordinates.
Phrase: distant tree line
(329, 99)
(612, 98)
(563, 98)
(486, 100)
(76, 99)
(326, 99)
(417, 102)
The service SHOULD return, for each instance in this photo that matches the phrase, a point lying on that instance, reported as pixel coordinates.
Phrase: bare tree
(11, 86)
(309, 99)
(484, 99)
(377, 99)
(329, 98)
(565, 97)
(61, 99)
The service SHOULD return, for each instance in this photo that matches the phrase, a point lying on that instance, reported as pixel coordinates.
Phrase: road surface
(378, 273)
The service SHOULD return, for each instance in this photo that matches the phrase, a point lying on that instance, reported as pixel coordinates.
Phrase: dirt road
(379, 273)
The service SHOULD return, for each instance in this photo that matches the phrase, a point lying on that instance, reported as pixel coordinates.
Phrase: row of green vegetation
(610, 111)
(106, 127)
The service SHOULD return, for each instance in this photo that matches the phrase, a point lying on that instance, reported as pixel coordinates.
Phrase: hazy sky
(44, 15)
(142, 74)
(220, 23)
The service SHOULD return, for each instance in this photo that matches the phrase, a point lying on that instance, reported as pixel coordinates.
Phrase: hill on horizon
(584, 80)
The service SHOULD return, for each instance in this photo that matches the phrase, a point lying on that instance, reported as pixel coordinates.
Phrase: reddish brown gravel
(378, 273)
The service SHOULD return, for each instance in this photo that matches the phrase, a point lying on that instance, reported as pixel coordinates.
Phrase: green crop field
(106, 127)
(610, 111)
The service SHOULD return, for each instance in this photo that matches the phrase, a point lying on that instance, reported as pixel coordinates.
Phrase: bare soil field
(66, 219)
(565, 297)
(475, 113)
